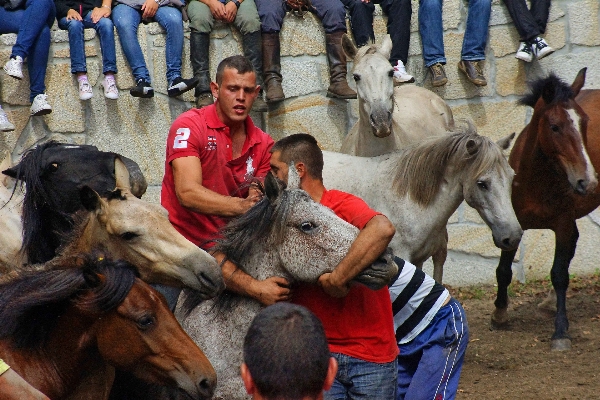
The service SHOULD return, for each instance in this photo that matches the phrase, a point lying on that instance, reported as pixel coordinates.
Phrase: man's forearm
(205, 201)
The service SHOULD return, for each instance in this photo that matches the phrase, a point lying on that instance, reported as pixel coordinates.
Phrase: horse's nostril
(206, 388)
(581, 186)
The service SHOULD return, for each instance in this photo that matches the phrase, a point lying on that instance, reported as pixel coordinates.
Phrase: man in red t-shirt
(212, 156)
(358, 321)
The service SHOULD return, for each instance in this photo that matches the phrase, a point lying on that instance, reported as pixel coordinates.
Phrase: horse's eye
(145, 322)
(53, 167)
(307, 227)
(391, 73)
(554, 127)
(482, 185)
(356, 77)
(129, 235)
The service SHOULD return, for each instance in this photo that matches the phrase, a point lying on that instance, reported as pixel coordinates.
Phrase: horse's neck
(263, 263)
(47, 236)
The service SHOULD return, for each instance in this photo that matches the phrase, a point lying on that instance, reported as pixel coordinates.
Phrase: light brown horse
(555, 159)
(64, 331)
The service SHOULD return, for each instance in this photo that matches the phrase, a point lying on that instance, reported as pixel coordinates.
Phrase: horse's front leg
(439, 258)
(503, 277)
(566, 242)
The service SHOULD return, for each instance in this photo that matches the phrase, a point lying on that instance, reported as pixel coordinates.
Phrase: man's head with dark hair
(299, 148)
(286, 356)
(238, 62)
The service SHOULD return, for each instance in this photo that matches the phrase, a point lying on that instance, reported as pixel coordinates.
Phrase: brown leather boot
(474, 72)
(338, 85)
(271, 52)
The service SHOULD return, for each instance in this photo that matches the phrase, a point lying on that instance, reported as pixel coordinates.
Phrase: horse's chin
(379, 274)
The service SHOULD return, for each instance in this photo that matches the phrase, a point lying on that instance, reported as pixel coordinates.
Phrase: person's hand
(100, 12)
(330, 287)
(217, 9)
(72, 14)
(230, 11)
(272, 290)
(248, 202)
(254, 192)
(149, 9)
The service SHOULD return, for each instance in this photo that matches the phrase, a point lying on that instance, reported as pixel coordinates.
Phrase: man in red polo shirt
(212, 156)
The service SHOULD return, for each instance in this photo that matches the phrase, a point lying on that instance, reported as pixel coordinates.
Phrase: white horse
(288, 235)
(390, 118)
(10, 221)
(420, 187)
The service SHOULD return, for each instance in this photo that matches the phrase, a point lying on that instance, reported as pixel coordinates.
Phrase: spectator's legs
(429, 366)
(76, 44)
(201, 24)
(526, 24)
(540, 9)
(271, 16)
(432, 32)
(170, 19)
(399, 13)
(248, 23)
(476, 32)
(361, 21)
(333, 17)
(105, 30)
(127, 20)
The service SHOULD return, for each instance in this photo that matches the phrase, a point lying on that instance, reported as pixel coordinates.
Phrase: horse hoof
(499, 318)
(561, 344)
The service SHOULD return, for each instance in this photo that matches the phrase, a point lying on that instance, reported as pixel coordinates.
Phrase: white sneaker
(525, 52)
(110, 89)
(40, 106)
(541, 49)
(14, 67)
(5, 125)
(85, 90)
(400, 74)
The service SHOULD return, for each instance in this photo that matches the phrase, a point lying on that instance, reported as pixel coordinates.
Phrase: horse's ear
(293, 177)
(504, 143)
(348, 46)
(386, 46)
(12, 172)
(472, 147)
(273, 187)
(89, 198)
(136, 177)
(121, 175)
(578, 82)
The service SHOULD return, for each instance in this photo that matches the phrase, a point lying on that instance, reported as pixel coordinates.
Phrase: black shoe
(179, 86)
(142, 89)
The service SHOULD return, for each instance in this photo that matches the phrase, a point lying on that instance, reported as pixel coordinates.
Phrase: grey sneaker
(5, 125)
(14, 67)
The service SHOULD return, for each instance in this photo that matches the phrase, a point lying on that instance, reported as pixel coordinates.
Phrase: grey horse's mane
(420, 171)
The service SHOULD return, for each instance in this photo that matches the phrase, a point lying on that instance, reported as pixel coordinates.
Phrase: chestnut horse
(64, 331)
(555, 159)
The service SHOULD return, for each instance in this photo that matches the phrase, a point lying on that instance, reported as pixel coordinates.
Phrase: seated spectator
(398, 14)
(74, 16)
(286, 356)
(31, 21)
(333, 17)
(474, 41)
(243, 15)
(127, 15)
(530, 23)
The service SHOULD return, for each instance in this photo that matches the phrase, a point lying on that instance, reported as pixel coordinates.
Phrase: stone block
(503, 40)
(64, 96)
(19, 117)
(324, 118)
(302, 36)
(568, 64)
(152, 194)
(511, 77)
(584, 22)
(304, 75)
(59, 36)
(556, 11)
(8, 39)
(14, 91)
(500, 15)
(495, 120)
(415, 47)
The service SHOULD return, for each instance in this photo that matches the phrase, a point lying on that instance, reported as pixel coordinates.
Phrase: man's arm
(267, 292)
(187, 175)
(370, 243)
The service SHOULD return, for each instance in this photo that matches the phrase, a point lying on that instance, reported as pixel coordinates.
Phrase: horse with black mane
(65, 330)
(555, 159)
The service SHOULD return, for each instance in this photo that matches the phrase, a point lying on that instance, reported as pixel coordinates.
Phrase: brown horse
(64, 331)
(555, 159)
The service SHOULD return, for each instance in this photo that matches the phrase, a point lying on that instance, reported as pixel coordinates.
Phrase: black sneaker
(180, 86)
(142, 89)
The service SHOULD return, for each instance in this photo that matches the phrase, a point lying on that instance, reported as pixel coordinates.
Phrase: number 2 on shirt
(181, 138)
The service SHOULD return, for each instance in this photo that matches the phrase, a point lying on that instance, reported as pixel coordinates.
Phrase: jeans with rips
(32, 26)
(432, 31)
(127, 19)
(105, 30)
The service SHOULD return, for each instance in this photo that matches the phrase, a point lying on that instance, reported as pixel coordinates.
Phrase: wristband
(104, 6)
(236, 2)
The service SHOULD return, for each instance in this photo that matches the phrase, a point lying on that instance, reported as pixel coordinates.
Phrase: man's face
(235, 95)
(278, 167)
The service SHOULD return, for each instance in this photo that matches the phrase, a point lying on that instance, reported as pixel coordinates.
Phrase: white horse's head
(373, 75)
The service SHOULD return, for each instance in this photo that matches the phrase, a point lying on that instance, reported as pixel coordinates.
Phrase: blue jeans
(104, 28)
(358, 379)
(429, 365)
(127, 19)
(32, 26)
(432, 31)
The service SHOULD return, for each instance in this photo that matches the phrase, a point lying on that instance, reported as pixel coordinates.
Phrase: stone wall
(137, 127)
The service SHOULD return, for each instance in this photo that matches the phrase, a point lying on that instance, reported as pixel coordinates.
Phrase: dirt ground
(516, 362)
